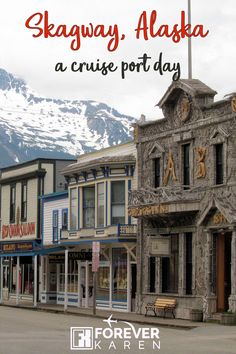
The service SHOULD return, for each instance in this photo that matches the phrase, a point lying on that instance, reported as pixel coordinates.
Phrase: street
(31, 332)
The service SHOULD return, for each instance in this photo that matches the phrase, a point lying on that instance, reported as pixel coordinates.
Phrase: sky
(34, 59)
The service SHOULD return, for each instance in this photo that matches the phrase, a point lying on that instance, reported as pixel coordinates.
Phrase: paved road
(29, 332)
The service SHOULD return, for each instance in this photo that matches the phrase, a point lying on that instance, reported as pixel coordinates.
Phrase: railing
(108, 231)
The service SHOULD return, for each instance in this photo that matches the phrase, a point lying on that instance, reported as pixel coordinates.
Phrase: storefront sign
(18, 230)
(17, 247)
(160, 246)
(56, 258)
(75, 256)
(148, 210)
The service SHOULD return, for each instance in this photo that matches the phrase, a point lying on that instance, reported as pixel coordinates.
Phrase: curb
(71, 313)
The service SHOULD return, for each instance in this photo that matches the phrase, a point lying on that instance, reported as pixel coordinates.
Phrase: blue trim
(129, 188)
(54, 195)
(54, 239)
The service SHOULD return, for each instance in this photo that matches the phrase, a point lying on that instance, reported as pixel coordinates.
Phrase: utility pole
(190, 74)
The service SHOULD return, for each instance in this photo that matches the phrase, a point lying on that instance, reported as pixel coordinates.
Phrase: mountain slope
(32, 126)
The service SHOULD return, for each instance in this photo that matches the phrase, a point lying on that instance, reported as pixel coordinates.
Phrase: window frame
(113, 204)
(55, 227)
(24, 216)
(63, 212)
(219, 178)
(12, 211)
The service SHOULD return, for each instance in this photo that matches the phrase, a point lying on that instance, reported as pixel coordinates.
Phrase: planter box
(228, 319)
(196, 315)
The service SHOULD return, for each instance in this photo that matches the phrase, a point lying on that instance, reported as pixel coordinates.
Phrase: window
(100, 206)
(152, 274)
(117, 202)
(170, 267)
(73, 208)
(12, 204)
(219, 163)
(188, 263)
(157, 175)
(186, 165)
(55, 225)
(24, 201)
(89, 207)
(64, 221)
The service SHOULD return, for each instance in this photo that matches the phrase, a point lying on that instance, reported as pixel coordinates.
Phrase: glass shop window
(89, 207)
(170, 267)
(152, 274)
(188, 262)
(117, 202)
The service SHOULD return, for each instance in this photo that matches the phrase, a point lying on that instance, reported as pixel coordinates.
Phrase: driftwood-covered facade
(186, 201)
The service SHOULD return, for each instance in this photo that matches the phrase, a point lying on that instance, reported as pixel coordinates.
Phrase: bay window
(89, 206)
(117, 202)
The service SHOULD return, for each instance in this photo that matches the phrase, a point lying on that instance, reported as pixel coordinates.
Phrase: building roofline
(52, 195)
(31, 162)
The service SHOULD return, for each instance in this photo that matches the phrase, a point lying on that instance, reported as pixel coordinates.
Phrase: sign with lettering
(160, 246)
(17, 247)
(75, 256)
(18, 230)
(148, 210)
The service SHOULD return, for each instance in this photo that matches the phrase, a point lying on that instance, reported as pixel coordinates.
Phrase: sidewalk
(123, 316)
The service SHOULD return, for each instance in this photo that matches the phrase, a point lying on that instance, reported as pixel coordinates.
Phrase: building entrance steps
(121, 316)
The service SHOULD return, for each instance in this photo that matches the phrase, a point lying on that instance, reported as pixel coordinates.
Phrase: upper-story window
(219, 172)
(186, 165)
(100, 204)
(12, 203)
(73, 208)
(157, 172)
(117, 202)
(89, 206)
(55, 225)
(64, 219)
(24, 201)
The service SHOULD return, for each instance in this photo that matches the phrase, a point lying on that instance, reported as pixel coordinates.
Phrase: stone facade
(203, 207)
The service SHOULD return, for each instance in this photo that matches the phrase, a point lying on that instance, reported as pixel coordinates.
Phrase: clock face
(183, 108)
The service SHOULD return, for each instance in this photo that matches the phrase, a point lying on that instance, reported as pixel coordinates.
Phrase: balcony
(120, 231)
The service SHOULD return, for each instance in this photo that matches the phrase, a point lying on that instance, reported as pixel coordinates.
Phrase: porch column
(232, 298)
(66, 281)
(17, 279)
(35, 281)
(86, 285)
(1, 284)
(208, 264)
(181, 285)
(128, 283)
(110, 278)
(79, 283)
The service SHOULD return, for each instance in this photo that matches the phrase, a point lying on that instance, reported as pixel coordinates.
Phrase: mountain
(33, 126)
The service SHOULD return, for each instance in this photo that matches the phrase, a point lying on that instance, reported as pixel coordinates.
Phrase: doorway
(223, 275)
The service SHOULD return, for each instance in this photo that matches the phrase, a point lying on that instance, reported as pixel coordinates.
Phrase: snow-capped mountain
(32, 126)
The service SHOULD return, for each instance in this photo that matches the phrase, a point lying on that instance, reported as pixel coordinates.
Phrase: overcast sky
(34, 59)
